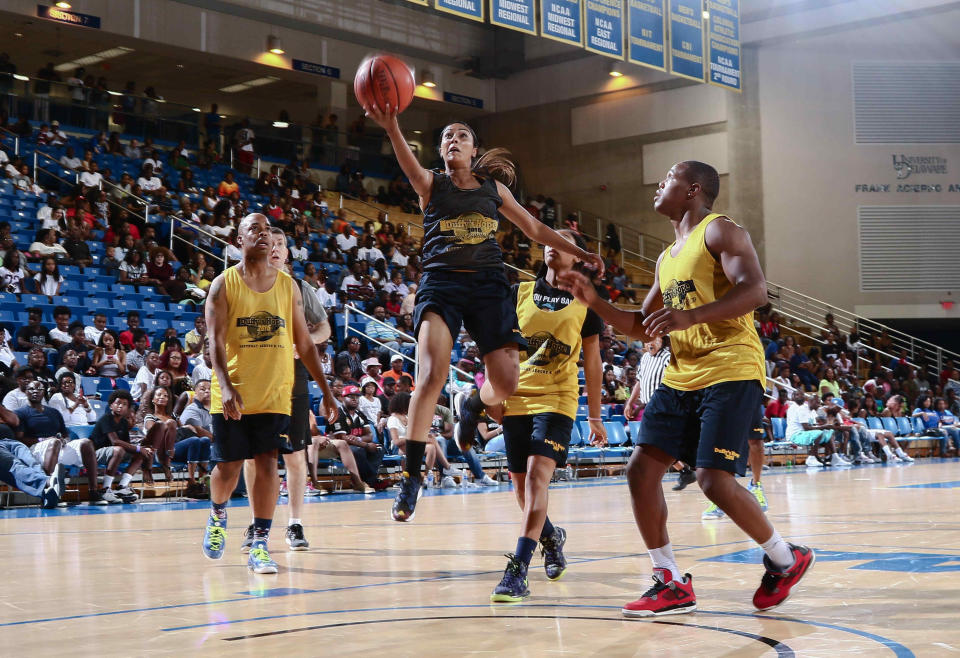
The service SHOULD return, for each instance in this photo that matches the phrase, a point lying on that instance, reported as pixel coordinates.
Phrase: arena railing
(9, 134)
(176, 220)
(376, 209)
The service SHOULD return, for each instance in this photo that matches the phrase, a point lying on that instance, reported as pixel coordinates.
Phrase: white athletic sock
(125, 479)
(662, 558)
(778, 551)
(107, 482)
(293, 521)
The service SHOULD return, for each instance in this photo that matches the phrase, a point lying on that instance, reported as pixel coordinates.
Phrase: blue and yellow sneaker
(757, 490)
(712, 512)
(405, 504)
(551, 548)
(214, 537)
(259, 560)
(513, 586)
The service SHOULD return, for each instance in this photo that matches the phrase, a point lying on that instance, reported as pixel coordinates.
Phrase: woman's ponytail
(498, 164)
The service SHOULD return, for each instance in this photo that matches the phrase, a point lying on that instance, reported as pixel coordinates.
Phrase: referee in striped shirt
(656, 356)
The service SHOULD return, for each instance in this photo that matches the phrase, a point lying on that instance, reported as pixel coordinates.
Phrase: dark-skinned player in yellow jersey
(706, 287)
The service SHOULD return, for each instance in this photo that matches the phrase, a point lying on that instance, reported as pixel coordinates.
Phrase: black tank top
(460, 226)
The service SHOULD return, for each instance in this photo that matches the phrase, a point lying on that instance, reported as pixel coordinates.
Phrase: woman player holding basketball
(538, 418)
(463, 280)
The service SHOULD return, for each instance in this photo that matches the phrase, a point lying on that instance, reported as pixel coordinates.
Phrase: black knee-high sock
(548, 529)
(415, 452)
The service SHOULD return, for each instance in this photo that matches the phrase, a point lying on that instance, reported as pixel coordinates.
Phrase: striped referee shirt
(651, 372)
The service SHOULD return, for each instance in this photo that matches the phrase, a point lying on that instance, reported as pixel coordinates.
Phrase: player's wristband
(599, 420)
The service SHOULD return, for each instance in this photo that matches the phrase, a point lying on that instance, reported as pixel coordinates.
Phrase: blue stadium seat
(890, 424)
(874, 423)
(906, 426)
(91, 385)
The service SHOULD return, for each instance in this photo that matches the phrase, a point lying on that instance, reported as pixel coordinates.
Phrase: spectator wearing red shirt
(778, 408)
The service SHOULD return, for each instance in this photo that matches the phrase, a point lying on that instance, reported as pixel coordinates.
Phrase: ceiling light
(114, 93)
(179, 66)
(256, 82)
(615, 70)
(281, 124)
(427, 79)
(18, 34)
(196, 109)
(273, 45)
(417, 132)
(23, 78)
(94, 58)
(63, 5)
(706, 14)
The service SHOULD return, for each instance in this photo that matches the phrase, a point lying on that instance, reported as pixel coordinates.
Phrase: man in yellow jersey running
(254, 316)
(706, 287)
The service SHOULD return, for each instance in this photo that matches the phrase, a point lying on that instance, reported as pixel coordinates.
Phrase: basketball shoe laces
(260, 554)
(216, 537)
(771, 580)
(513, 574)
(657, 588)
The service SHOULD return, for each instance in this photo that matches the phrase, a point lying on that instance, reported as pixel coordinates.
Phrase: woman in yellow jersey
(707, 285)
(538, 418)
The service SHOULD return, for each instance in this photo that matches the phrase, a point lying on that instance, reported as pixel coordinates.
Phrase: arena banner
(472, 9)
(515, 15)
(316, 69)
(647, 30)
(561, 20)
(723, 38)
(68, 17)
(686, 39)
(603, 23)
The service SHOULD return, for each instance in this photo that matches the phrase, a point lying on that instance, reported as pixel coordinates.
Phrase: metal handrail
(378, 209)
(16, 140)
(194, 227)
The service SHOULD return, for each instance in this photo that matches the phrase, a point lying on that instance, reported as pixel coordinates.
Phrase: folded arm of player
(309, 355)
(216, 314)
(731, 246)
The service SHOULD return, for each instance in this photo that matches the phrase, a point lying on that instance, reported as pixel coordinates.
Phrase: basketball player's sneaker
(813, 462)
(259, 560)
(757, 490)
(464, 432)
(776, 586)
(513, 586)
(686, 478)
(127, 495)
(673, 597)
(405, 504)
(551, 548)
(247, 539)
(295, 539)
(214, 537)
(712, 512)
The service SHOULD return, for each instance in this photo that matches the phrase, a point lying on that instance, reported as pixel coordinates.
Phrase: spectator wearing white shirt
(400, 257)
(396, 285)
(60, 334)
(91, 335)
(70, 159)
(56, 137)
(8, 360)
(72, 405)
(803, 429)
(346, 240)
(327, 294)
(369, 252)
(145, 375)
(298, 252)
(148, 182)
(132, 150)
(17, 397)
(91, 179)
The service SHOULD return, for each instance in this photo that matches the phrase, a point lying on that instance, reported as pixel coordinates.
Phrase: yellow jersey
(713, 352)
(554, 324)
(259, 345)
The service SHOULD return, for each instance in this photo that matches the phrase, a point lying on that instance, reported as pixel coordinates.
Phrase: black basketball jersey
(460, 226)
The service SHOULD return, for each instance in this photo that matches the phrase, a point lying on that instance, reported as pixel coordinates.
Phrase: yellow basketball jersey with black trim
(707, 353)
(259, 345)
(548, 368)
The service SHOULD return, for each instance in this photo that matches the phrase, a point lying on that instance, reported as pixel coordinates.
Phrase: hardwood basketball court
(133, 581)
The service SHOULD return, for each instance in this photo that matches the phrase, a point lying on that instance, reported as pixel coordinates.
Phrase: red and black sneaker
(776, 586)
(666, 597)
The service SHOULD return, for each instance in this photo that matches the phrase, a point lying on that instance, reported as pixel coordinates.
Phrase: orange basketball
(383, 79)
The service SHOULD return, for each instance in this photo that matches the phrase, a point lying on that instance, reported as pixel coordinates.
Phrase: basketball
(383, 79)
